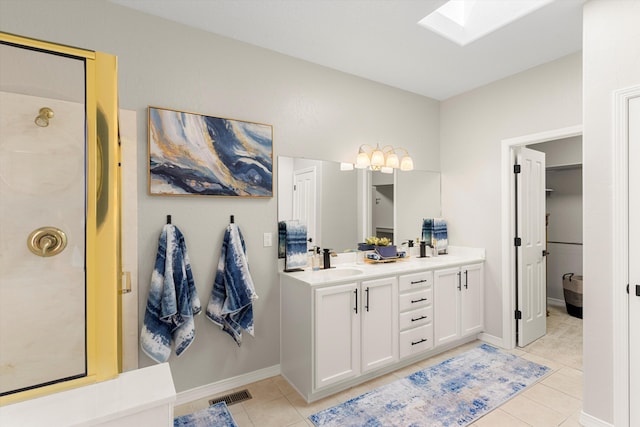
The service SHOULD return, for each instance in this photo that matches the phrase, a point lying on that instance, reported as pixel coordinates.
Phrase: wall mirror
(343, 207)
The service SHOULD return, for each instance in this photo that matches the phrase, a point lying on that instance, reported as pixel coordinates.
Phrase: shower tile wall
(42, 299)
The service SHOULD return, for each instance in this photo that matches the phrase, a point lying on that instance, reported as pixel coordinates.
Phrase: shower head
(42, 119)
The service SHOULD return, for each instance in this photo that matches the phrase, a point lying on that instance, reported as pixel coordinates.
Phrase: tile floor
(555, 401)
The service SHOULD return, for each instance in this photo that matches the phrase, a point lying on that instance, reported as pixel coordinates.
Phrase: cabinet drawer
(415, 300)
(415, 281)
(414, 318)
(416, 340)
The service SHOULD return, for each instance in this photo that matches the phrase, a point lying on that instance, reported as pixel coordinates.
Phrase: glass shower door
(43, 294)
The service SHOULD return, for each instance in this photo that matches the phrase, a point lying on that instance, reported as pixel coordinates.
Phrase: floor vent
(232, 398)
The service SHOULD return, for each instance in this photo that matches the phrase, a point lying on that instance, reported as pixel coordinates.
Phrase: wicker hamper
(572, 285)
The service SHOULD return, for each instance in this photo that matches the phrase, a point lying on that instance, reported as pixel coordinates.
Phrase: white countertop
(345, 269)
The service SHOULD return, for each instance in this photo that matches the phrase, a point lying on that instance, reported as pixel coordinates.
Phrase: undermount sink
(336, 273)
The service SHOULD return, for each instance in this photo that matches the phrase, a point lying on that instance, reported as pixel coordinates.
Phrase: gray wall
(473, 126)
(315, 112)
(611, 34)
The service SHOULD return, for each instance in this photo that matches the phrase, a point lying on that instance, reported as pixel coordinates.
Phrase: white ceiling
(380, 39)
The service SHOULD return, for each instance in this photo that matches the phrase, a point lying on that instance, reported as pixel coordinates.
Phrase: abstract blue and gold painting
(194, 154)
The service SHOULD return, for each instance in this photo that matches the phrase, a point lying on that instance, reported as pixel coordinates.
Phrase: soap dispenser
(317, 259)
(311, 257)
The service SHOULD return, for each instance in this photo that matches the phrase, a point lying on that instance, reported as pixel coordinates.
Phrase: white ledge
(131, 393)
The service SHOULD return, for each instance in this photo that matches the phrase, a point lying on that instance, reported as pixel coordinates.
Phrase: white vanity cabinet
(379, 323)
(346, 325)
(337, 333)
(415, 305)
(458, 302)
(355, 329)
(332, 333)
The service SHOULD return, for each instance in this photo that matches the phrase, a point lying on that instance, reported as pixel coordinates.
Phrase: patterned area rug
(455, 392)
(217, 415)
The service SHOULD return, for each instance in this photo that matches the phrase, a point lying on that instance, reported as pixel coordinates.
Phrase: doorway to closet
(554, 138)
(563, 197)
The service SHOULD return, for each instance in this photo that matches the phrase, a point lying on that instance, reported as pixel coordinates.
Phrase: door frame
(508, 221)
(620, 255)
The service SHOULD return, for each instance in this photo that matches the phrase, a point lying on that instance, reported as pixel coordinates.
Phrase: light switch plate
(267, 240)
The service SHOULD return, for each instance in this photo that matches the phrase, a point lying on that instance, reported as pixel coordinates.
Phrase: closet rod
(565, 243)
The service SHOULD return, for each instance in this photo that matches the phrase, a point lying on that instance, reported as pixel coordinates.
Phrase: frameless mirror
(323, 196)
(343, 207)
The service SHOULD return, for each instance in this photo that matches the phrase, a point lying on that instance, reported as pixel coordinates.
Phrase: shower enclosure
(60, 263)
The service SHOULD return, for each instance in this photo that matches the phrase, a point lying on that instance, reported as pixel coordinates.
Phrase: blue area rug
(455, 392)
(217, 415)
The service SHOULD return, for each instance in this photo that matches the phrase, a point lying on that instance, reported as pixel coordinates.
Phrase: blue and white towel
(231, 301)
(282, 239)
(427, 230)
(173, 299)
(440, 235)
(295, 244)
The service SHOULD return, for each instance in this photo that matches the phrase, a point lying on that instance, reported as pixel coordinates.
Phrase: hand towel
(172, 301)
(440, 235)
(427, 230)
(231, 302)
(295, 245)
(282, 239)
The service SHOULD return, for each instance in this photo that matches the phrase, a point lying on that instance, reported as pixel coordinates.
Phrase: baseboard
(590, 421)
(492, 339)
(555, 302)
(225, 385)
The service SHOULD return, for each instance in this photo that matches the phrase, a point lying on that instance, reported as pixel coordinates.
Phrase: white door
(379, 323)
(472, 302)
(447, 284)
(634, 268)
(304, 201)
(531, 266)
(337, 333)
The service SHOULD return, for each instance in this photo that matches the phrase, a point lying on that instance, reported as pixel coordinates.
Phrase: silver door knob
(47, 241)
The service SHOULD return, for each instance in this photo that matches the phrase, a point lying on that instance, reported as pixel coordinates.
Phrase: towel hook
(168, 219)
(232, 219)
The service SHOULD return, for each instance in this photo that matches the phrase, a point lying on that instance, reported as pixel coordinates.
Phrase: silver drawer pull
(418, 318)
(418, 281)
(418, 342)
(413, 301)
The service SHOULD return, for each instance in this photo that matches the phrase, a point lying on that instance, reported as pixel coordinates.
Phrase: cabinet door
(472, 302)
(446, 295)
(379, 323)
(337, 333)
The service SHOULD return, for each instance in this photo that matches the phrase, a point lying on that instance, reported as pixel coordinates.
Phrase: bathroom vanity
(346, 325)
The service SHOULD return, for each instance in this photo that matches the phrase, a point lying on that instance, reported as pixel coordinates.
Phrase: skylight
(465, 21)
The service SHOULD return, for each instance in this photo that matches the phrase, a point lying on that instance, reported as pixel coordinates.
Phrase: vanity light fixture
(383, 159)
